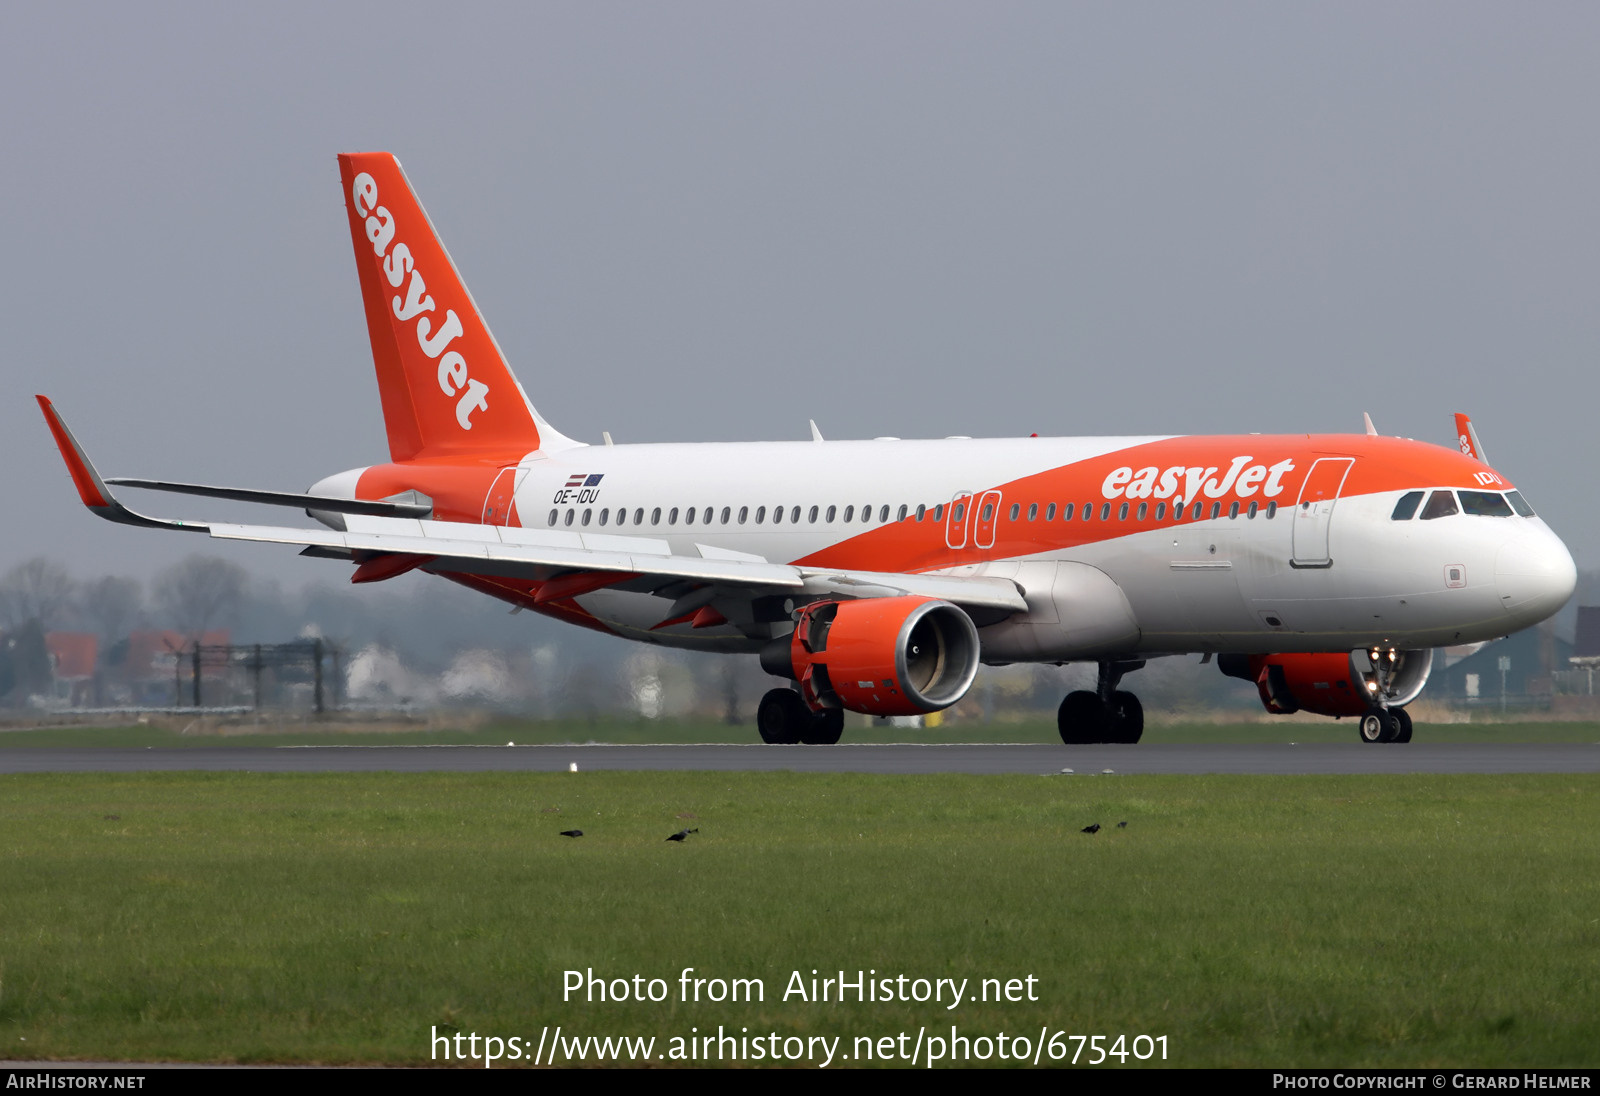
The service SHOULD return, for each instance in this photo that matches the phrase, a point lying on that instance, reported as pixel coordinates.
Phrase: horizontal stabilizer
(380, 509)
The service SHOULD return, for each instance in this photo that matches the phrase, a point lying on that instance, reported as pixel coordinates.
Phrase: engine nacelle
(883, 656)
(1336, 682)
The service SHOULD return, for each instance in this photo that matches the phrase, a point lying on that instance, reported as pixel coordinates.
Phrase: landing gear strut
(1386, 725)
(1105, 715)
(784, 719)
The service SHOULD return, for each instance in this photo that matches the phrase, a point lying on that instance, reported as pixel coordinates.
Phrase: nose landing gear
(1105, 715)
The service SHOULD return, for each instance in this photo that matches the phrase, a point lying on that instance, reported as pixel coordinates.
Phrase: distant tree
(199, 593)
(24, 663)
(38, 589)
(112, 604)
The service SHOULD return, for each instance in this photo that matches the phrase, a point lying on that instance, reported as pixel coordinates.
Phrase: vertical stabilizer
(446, 388)
(1467, 438)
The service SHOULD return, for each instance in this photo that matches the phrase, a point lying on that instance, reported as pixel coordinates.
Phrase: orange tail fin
(446, 388)
(1467, 438)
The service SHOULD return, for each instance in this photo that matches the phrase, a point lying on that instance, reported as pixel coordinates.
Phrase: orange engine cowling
(1335, 683)
(883, 656)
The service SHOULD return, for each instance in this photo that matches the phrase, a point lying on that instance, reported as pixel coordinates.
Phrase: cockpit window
(1520, 504)
(1406, 508)
(1489, 504)
(1441, 504)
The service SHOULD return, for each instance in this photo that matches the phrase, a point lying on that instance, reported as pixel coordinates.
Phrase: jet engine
(1333, 683)
(883, 656)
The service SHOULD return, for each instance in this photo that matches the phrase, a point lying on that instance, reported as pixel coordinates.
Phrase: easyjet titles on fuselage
(1242, 478)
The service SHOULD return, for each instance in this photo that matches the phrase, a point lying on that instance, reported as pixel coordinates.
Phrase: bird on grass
(571, 833)
(1122, 825)
(1095, 828)
(681, 834)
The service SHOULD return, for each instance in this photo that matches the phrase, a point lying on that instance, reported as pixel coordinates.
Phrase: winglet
(1366, 419)
(91, 488)
(1467, 438)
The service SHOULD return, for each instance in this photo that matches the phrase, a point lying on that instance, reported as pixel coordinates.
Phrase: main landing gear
(1105, 715)
(1386, 725)
(784, 719)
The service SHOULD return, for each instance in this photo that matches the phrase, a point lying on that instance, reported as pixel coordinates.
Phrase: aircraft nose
(1535, 575)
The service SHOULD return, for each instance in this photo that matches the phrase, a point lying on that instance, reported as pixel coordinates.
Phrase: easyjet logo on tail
(1183, 484)
(399, 268)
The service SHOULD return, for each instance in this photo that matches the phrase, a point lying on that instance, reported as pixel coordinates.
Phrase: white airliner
(876, 575)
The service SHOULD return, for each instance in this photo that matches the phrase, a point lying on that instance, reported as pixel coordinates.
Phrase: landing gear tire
(1127, 718)
(1403, 718)
(824, 728)
(782, 717)
(1082, 719)
(1379, 726)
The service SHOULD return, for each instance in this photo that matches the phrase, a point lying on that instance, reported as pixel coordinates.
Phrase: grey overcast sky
(697, 221)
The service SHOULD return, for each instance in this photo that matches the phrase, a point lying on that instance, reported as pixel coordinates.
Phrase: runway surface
(1277, 758)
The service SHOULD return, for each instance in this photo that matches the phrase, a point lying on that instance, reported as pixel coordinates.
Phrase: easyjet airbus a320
(874, 576)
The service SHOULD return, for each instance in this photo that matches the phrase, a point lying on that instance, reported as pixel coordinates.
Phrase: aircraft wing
(540, 555)
(583, 561)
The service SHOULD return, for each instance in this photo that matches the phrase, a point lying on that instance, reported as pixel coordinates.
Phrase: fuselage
(1231, 543)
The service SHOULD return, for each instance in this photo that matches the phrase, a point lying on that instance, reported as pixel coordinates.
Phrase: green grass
(1286, 921)
(528, 732)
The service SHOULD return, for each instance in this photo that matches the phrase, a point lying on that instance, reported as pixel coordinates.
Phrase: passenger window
(1254, 506)
(688, 516)
(938, 512)
(958, 515)
(1406, 508)
(1066, 512)
(1520, 504)
(1033, 511)
(833, 512)
(1088, 511)
(794, 516)
(655, 516)
(603, 515)
(672, 516)
(761, 514)
(1233, 511)
(1122, 513)
(1216, 510)
(553, 515)
(638, 516)
(777, 515)
(902, 515)
(1199, 509)
(587, 513)
(883, 515)
(1441, 504)
(850, 514)
(812, 516)
(988, 511)
(569, 517)
(866, 513)
(1144, 508)
(1488, 504)
(1161, 511)
(1105, 511)
(921, 511)
(726, 512)
(1050, 512)
(1272, 510)
(1016, 508)
(744, 514)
